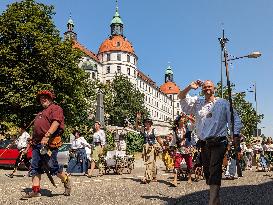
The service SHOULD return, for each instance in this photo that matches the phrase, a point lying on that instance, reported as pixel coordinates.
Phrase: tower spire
(116, 23)
(169, 74)
(70, 34)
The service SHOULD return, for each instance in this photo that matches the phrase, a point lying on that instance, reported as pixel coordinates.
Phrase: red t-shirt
(44, 120)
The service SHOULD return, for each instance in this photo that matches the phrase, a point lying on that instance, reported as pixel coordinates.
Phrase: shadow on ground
(261, 194)
(44, 192)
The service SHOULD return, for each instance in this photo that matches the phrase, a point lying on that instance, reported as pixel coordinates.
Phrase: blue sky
(184, 33)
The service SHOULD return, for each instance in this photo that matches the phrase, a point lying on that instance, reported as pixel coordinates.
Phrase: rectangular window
(118, 57)
(128, 58)
(128, 71)
(177, 104)
(108, 70)
(108, 57)
(134, 73)
(119, 69)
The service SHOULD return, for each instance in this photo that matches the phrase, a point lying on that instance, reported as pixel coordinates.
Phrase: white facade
(105, 65)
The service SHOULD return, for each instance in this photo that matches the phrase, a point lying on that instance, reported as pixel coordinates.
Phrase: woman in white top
(99, 140)
(78, 162)
(21, 144)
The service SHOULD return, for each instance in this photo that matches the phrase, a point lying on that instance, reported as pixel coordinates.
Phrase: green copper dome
(116, 18)
(169, 70)
(70, 21)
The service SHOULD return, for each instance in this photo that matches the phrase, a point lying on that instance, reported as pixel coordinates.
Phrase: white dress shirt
(79, 143)
(213, 118)
(99, 136)
(22, 141)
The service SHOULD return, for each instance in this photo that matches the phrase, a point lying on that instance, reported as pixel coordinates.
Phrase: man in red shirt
(48, 126)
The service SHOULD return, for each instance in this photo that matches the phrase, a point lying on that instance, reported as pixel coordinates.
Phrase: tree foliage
(34, 57)
(244, 108)
(122, 101)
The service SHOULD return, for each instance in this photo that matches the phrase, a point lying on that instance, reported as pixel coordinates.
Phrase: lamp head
(255, 54)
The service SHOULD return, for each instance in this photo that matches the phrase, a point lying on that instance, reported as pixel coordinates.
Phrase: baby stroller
(118, 161)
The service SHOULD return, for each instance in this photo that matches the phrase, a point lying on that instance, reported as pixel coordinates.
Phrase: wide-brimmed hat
(149, 120)
(48, 93)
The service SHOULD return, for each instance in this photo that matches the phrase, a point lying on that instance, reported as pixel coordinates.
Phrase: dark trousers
(212, 160)
(22, 158)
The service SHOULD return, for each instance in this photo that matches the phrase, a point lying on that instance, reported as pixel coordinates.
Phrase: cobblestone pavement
(254, 188)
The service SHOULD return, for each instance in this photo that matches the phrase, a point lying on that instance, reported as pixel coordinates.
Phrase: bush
(134, 142)
(110, 141)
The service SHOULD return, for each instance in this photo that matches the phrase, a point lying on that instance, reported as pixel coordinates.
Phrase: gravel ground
(254, 188)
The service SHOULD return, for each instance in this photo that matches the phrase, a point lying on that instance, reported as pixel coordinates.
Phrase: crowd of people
(204, 141)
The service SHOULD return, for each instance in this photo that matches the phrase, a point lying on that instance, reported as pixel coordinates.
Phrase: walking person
(212, 116)
(249, 156)
(78, 162)
(183, 148)
(21, 144)
(46, 139)
(150, 150)
(99, 141)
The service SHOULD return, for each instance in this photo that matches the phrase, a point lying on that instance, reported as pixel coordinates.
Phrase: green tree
(244, 108)
(122, 101)
(34, 57)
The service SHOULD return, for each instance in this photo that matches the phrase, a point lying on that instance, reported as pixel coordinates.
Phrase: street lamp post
(255, 54)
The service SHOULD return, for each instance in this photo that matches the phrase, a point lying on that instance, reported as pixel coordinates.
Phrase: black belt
(213, 139)
(222, 138)
(97, 143)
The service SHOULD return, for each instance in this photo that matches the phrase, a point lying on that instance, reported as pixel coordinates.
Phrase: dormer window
(118, 44)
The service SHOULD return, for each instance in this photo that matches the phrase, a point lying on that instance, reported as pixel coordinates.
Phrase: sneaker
(67, 186)
(9, 175)
(32, 194)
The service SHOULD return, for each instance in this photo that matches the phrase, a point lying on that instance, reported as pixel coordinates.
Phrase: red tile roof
(116, 43)
(89, 53)
(169, 88)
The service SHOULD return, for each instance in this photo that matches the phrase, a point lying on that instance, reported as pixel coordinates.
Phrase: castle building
(116, 55)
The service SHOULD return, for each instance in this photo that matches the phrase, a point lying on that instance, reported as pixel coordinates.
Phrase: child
(231, 171)
(166, 155)
(249, 155)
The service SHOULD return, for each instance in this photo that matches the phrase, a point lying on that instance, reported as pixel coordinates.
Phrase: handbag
(55, 142)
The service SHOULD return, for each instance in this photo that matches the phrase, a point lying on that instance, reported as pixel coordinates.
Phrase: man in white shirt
(212, 116)
(21, 144)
